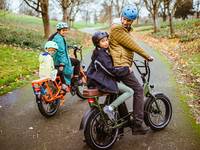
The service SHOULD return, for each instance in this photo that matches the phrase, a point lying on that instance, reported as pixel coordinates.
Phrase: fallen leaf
(30, 128)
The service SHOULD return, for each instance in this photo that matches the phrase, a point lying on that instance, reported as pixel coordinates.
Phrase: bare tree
(153, 6)
(25, 9)
(197, 8)
(74, 9)
(163, 9)
(41, 6)
(65, 5)
(107, 11)
(139, 4)
(171, 6)
(3, 5)
(118, 6)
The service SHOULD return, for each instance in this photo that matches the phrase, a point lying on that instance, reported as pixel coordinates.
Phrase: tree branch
(34, 3)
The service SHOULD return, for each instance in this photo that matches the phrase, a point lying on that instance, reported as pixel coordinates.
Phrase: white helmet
(50, 44)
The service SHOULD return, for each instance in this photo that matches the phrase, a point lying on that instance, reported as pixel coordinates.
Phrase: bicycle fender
(85, 119)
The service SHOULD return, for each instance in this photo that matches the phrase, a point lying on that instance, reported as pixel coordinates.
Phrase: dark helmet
(97, 36)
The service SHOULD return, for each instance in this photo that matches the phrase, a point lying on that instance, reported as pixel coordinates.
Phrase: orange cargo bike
(48, 93)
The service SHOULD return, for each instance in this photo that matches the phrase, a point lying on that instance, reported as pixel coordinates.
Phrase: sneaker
(110, 112)
(63, 89)
(140, 130)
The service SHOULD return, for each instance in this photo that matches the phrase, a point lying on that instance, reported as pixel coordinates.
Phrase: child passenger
(46, 68)
(105, 76)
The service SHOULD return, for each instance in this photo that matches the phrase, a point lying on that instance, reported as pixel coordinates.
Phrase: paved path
(22, 127)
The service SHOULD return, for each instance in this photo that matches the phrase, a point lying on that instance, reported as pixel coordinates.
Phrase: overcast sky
(14, 5)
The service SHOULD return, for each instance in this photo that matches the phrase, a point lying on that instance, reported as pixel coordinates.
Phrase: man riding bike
(122, 48)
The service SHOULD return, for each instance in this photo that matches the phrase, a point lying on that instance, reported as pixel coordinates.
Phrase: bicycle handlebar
(145, 64)
(77, 49)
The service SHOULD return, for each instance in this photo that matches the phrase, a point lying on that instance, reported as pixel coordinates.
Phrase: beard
(128, 27)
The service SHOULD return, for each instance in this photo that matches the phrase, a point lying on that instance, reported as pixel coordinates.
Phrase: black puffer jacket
(103, 74)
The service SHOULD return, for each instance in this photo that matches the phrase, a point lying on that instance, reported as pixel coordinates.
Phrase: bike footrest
(93, 92)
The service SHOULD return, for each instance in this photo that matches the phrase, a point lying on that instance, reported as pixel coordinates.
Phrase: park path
(22, 127)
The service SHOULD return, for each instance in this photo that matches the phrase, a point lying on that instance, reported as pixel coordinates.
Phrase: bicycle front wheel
(158, 112)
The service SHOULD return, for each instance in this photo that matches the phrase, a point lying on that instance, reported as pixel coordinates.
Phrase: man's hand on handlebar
(150, 58)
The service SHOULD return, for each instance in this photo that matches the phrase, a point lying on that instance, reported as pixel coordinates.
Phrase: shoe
(110, 112)
(140, 130)
(64, 89)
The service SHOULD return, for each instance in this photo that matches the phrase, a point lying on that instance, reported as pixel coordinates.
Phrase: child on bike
(62, 60)
(46, 68)
(105, 76)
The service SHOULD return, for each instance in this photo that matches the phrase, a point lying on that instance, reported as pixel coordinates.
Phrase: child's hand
(131, 69)
(61, 68)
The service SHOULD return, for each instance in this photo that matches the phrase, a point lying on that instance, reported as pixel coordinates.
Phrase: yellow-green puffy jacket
(122, 47)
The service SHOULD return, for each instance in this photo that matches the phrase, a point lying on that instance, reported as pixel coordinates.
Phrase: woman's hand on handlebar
(61, 68)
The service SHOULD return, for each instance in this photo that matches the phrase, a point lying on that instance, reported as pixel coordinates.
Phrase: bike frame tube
(37, 84)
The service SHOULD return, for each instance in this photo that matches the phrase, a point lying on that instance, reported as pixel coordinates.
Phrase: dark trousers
(138, 96)
(76, 63)
(60, 73)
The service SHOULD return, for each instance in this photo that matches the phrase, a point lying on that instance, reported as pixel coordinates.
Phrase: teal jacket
(62, 57)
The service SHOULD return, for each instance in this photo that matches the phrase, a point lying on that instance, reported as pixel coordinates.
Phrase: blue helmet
(62, 25)
(130, 12)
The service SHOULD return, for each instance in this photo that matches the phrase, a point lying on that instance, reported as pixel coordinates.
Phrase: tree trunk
(164, 15)
(110, 13)
(155, 23)
(171, 25)
(45, 17)
(65, 17)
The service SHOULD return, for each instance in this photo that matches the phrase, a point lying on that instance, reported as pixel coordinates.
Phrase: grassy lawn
(17, 66)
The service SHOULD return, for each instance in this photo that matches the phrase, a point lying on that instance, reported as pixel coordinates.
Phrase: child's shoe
(110, 112)
(63, 89)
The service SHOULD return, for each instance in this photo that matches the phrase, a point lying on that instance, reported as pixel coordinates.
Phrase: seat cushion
(93, 92)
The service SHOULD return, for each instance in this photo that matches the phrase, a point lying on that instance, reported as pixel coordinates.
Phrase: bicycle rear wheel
(47, 109)
(97, 134)
(79, 90)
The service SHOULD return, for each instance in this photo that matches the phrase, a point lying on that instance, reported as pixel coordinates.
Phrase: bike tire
(151, 111)
(102, 136)
(79, 91)
(43, 107)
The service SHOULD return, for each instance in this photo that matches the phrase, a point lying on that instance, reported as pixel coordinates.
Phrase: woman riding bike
(62, 60)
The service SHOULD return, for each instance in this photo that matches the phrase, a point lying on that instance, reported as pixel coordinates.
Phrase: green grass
(16, 67)
(186, 30)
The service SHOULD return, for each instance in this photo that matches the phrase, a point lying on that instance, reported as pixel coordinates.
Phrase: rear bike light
(90, 100)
